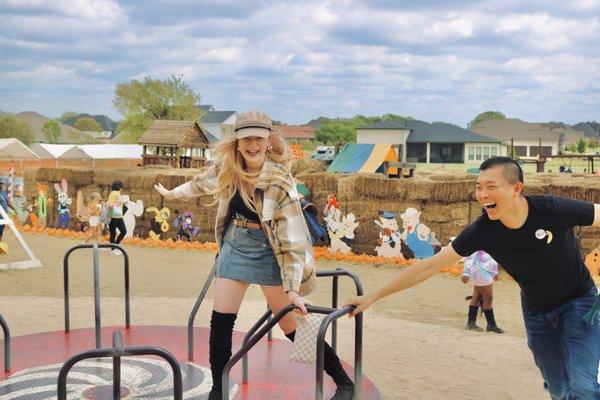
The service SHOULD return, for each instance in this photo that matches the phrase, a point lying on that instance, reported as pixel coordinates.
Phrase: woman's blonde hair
(230, 164)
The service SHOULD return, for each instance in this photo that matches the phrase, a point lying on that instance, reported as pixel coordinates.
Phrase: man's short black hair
(512, 170)
(117, 185)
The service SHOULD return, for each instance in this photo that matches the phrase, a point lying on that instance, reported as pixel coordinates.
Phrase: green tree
(51, 131)
(66, 115)
(11, 127)
(142, 102)
(487, 115)
(581, 145)
(87, 124)
(336, 131)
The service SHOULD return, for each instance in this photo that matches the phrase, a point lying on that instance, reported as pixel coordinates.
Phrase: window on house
(447, 153)
(478, 153)
(416, 152)
(471, 156)
(494, 151)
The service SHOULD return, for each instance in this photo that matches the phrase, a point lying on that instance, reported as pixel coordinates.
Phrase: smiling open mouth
(489, 206)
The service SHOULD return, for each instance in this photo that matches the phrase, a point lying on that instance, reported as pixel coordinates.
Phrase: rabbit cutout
(63, 204)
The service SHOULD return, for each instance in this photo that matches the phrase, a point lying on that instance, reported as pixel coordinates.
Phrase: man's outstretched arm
(411, 276)
(596, 215)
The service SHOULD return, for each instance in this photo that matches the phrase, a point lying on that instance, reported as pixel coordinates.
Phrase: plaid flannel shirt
(278, 206)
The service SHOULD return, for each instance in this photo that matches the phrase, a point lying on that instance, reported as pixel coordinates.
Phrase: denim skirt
(247, 256)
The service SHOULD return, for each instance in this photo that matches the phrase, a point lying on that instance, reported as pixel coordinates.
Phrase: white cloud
(299, 59)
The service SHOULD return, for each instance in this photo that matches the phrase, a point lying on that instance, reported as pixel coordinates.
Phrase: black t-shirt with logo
(542, 255)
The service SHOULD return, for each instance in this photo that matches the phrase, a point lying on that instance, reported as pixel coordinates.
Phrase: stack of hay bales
(446, 200)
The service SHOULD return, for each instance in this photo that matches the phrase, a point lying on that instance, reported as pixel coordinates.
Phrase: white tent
(46, 150)
(109, 151)
(75, 153)
(14, 149)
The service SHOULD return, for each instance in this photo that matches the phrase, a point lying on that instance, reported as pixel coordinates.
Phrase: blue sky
(297, 60)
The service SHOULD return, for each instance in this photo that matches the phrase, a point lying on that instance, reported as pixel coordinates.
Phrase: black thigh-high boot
(471, 322)
(491, 321)
(221, 332)
(333, 368)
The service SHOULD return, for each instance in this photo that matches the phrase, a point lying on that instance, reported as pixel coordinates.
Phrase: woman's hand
(166, 193)
(299, 302)
(361, 303)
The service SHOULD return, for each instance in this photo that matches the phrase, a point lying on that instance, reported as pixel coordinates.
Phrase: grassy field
(577, 165)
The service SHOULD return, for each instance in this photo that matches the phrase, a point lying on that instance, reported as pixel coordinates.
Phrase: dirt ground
(415, 344)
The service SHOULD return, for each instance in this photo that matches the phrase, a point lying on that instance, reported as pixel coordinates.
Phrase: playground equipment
(96, 266)
(33, 261)
(40, 358)
(6, 343)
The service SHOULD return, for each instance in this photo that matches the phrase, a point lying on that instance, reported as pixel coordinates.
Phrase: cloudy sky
(297, 60)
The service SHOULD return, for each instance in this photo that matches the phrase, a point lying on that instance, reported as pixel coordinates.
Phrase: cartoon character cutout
(185, 223)
(63, 204)
(41, 205)
(340, 231)
(19, 202)
(417, 236)
(389, 244)
(160, 223)
(331, 206)
(132, 210)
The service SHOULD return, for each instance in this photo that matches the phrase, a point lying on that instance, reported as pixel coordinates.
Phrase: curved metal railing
(116, 352)
(96, 265)
(6, 343)
(332, 314)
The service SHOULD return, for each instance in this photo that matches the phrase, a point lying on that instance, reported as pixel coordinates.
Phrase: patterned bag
(305, 342)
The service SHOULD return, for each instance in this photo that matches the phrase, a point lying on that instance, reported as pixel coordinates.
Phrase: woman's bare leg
(278, 299)
(229, 295)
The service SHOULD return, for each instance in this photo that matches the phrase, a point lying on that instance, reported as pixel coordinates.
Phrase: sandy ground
(415, 345)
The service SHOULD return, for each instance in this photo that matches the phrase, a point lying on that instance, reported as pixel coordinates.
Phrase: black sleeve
(574, 212)
(468, 241)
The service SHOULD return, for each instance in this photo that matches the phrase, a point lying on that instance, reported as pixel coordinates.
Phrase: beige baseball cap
(253, 123)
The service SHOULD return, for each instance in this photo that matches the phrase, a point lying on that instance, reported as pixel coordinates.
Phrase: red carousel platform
(37, 359)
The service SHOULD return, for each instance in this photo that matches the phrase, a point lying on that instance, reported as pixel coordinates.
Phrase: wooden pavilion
(180, 144)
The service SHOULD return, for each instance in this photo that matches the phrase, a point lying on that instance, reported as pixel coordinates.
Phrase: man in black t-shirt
(532, 238)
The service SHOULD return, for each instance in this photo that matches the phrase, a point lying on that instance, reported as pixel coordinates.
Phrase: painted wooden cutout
(133, 210)
(187, 230)
(340, 230)
(417, 236)
(63, 204)
(19, 201)
(42, 204)
(160, 223)
(389, 244)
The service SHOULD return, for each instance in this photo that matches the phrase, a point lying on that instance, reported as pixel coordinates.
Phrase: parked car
(324, 153)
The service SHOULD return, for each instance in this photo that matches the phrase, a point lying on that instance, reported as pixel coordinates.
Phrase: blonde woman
(261, 235)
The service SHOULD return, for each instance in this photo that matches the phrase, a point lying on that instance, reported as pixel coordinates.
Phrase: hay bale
(320, 183)
(418, 190)
(306, 165)
(373, 186)
(453, 191)
(436, 212)
(76, 178)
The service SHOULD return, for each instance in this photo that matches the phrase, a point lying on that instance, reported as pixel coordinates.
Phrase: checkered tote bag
(305, 342)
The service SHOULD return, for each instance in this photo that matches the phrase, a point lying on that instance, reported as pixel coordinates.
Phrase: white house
(218, 123)
(529, 138)
(421, 142)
